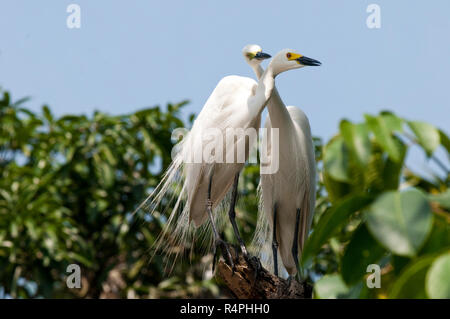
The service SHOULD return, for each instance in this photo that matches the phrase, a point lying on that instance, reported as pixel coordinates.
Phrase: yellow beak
(303, 60)
(294, 56)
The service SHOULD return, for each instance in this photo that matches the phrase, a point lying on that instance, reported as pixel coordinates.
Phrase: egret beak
(262, 56)
(308, 61)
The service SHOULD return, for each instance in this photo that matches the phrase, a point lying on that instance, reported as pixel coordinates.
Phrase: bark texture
(247, 283)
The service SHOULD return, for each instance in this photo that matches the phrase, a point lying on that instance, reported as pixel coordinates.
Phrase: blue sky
(132, 54)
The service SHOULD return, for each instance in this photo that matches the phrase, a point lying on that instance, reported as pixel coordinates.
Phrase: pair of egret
(288, 195)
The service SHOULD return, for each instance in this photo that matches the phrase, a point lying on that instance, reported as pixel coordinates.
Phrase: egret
(288, 195)
(235, 103)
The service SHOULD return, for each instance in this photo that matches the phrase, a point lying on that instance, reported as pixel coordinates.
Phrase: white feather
(236, 103)
(291, 187)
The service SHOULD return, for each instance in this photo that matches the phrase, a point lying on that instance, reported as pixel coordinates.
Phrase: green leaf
(331, 221)
(427, 135)
(445, 141)
(22, 101)
(439, 237)
(356, 137)
(362, 251)
(6, 99)
(336, 190)
(392, 170)
(399, 263)
(106, 151)
(443, 199)
(438, 278)
(411, 282)
(79, 258)
(383, 127)
(47, 114)
(393, 122)
(148, 141)
(104, 172)
(401, 221)
(335, 160)
(330, 287)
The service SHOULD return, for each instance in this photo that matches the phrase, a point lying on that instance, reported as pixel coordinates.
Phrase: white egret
(235, 103)
(288, 195)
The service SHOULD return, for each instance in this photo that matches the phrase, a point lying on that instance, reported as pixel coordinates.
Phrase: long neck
(258, 70)
(277, 111)
(263, 91)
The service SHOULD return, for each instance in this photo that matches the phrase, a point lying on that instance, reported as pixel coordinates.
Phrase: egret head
(288, 59)
(253, 54)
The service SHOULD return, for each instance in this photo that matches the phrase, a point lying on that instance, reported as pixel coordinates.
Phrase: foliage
(373, 210)
(69, 186)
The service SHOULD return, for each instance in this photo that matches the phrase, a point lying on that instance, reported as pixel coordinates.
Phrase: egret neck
(263, 92)
(279, 116)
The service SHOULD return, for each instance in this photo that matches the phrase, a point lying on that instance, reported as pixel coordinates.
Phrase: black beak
(308, 61)
(262, 56)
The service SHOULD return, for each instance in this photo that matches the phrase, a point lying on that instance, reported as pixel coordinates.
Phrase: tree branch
(246, 283)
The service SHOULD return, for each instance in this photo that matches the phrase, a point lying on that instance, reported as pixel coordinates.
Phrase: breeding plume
(236, 103)
(288, 195)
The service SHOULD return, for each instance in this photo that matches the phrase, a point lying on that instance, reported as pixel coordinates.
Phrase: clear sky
(132, 54)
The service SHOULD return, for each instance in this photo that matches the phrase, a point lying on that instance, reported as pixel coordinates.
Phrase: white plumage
(293, 186)
(236, 103)
(289, 190)
(225, 108)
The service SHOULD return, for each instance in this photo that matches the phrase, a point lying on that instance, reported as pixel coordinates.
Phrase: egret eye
(288, 55)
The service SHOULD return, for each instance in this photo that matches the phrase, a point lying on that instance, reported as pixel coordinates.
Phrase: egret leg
(232, 215)
(252, 261)
(274, 241)
(295, 243)
(217, 240)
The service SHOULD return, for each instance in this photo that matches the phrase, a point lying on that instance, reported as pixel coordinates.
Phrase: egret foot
(295, 277)
(226, 254)
(291, 278)
(253, 262)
